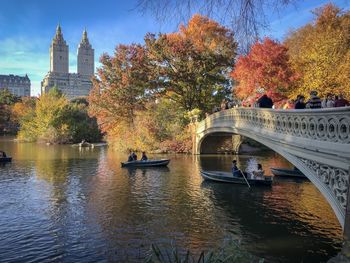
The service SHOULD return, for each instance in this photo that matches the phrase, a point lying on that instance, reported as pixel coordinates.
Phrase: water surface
(62, 204)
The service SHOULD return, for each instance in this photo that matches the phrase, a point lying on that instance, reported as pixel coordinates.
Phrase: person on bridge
(341, 102)
(224, 104)
(235, 171)
(314, 102)
(265, 102)
(144, 156)
(289, 105)
(328, 102)
(300, 103)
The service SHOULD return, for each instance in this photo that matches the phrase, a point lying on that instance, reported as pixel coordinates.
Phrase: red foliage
(265, 67)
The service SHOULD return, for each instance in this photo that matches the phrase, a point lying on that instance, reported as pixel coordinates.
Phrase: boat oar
(244, 178)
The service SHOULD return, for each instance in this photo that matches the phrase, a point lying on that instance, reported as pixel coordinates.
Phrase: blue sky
(27, 28)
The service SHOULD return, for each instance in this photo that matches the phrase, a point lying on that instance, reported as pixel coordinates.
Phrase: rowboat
(287, 172)
(148, 163)
(226, 177)
(5, 159)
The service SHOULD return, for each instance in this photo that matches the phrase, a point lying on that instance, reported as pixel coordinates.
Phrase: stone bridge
(316, 141)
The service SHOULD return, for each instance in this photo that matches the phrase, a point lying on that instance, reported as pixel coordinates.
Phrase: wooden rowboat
(148, 163)
(5, 159)
(226, 177)
(287, 172)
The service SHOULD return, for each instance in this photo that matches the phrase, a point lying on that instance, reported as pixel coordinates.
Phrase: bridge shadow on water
(265, 219)
(281, 221)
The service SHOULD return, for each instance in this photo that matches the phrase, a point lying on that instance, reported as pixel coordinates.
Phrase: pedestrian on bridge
(265, 102)
(300, 103)
(314, 102)
(341, 102)
(328, 102)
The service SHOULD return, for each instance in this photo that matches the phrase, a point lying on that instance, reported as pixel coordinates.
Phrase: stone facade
(71, 84)
(17, 85)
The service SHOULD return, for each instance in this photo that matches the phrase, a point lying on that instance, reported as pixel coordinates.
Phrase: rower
(3, 154)
(235, 171)
(144, 156)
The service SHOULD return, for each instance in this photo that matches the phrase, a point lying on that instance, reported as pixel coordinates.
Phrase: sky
(28, 26)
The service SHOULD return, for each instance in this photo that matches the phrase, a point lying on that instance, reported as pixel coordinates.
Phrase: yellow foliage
(319, 53)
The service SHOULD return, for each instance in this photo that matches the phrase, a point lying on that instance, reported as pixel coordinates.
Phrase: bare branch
(247, 18)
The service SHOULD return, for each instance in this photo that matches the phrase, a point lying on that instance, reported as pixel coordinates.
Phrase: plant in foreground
(232, 252)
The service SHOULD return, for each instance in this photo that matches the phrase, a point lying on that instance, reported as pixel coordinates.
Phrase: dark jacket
(300, 105)
(341, 103)
(314, 103)
(265, 102)
(236, 171)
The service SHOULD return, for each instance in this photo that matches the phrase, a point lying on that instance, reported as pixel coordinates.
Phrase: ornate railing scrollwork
(337, 180)
(331, 125)
(316, 140)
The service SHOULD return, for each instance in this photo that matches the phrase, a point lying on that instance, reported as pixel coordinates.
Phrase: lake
(59, 203)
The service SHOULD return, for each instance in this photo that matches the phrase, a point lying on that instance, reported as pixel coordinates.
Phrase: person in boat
(259, 173)
(134, 156)
(235, 171)
(130, 158)
(144, 156)
(3, 154)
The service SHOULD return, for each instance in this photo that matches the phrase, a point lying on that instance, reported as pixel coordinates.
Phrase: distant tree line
(145, 95)
(51, 118)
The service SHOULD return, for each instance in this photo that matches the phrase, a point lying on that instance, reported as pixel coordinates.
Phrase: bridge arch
(315, 141)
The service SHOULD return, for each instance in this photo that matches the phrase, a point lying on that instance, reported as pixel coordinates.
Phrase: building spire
(58, 28)
(85, 40)
(59, 36)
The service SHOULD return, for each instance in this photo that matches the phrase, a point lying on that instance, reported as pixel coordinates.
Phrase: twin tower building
(71, 84)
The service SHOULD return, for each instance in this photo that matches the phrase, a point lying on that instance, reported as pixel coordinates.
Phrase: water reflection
(60, 203)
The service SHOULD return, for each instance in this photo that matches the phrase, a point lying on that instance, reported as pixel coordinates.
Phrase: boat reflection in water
(61, 204)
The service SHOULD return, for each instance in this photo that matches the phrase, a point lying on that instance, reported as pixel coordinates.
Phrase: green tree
(81, 126)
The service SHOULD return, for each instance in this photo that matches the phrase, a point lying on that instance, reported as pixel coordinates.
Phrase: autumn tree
(20, 109)
(52, 118)
(264, 68)
(44, 123)
(7, 100)
(320, 52)
(191, 66)
(122, 86)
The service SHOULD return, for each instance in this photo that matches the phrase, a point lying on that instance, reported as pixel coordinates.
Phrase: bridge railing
(315, 141)
(328, 125)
